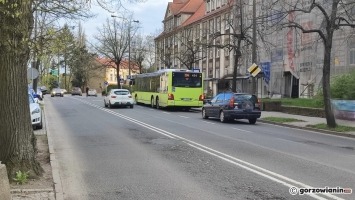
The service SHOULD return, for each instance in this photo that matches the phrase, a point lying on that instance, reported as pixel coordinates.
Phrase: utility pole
(254, 59)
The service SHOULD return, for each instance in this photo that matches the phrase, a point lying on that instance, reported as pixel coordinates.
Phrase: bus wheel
(152, 102)
(157, 103)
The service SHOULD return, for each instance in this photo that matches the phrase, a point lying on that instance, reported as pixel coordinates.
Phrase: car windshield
(57, 90)
(92, 90)
(121, 92)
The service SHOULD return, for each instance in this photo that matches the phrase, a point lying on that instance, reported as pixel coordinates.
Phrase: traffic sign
(32, 73)
(254, 69)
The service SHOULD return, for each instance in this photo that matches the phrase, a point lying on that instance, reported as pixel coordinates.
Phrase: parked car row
(36, 112)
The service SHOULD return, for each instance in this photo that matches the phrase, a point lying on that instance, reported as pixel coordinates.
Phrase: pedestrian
(87, 91)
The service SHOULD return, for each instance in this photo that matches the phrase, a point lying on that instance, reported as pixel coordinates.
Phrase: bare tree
(190, 51)
(150, 50)
(139, 51)
(336, 15)
(113, 42)
(236, 38)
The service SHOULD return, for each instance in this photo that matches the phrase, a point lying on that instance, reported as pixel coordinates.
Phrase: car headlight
(37, 110)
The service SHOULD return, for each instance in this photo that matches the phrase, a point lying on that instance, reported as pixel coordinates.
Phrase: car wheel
(157, 103)
(222, 118)
(152, 102)
(252, 121)
(52, 95)
(131, 106)
(105, 104)
(204, 116)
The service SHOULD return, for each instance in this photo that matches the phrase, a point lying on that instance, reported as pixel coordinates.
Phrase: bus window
(181, 79)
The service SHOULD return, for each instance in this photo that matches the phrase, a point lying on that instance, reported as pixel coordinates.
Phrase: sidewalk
(36, 194)
(307, 121)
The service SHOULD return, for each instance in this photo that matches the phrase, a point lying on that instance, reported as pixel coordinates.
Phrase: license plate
(186, 99)
(123, 102)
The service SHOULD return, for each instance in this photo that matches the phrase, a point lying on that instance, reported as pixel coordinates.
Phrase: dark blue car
(228, 106)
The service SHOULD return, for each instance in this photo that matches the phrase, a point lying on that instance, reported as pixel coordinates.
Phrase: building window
(352, 56)
(218, 24)
(211, 28)
(208, 6)
(111, 77)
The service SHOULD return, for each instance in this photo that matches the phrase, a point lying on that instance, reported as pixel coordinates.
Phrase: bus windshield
(187, 79)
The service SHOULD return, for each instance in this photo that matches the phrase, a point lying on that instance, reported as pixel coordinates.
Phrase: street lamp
(129, 42)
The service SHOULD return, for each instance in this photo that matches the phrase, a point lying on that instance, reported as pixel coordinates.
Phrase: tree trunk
(118, 74)
(17, 141)
(235, 69)
(326, 85)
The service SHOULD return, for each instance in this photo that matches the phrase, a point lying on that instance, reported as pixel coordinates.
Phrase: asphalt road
(144, 153)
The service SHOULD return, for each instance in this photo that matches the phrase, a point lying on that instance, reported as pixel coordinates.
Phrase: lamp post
(129, 41)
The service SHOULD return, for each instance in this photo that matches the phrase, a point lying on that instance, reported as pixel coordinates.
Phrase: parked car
(118, 97)
(57, 92)
(228, 106)
(76, 91)
(36, 113)
(92, 92)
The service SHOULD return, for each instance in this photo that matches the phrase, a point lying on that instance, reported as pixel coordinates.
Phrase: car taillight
(201, 97)
(113, 97)
(231, 102)
(170, 96)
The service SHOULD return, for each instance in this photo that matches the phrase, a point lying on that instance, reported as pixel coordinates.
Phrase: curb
(310, 129)
(58, 189)
(14, 191)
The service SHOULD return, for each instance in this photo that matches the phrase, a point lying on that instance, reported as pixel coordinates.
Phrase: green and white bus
(173, 88)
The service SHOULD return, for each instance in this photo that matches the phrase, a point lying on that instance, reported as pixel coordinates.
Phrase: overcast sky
(150, 15)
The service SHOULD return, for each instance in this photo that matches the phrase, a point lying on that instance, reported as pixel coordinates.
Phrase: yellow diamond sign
(254, 69)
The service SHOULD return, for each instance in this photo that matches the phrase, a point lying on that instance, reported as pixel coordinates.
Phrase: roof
(199, 14)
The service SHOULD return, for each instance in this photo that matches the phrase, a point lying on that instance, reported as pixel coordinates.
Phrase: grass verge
(299, 102)
(339, 128)
(281, 119)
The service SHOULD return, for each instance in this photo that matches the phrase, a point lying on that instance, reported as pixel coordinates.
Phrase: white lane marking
(241, 163)
(166, 113)
(242, 130)
(183, 116)
(96, 100)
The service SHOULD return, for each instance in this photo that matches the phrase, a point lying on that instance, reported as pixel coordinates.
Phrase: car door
(216, 105)
(209, 106)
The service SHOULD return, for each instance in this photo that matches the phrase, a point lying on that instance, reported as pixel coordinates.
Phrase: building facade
(204, 34)
(106, 72)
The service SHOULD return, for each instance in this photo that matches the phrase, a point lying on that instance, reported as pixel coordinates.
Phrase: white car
(36, 113)
(92, 92)
(119, 98)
